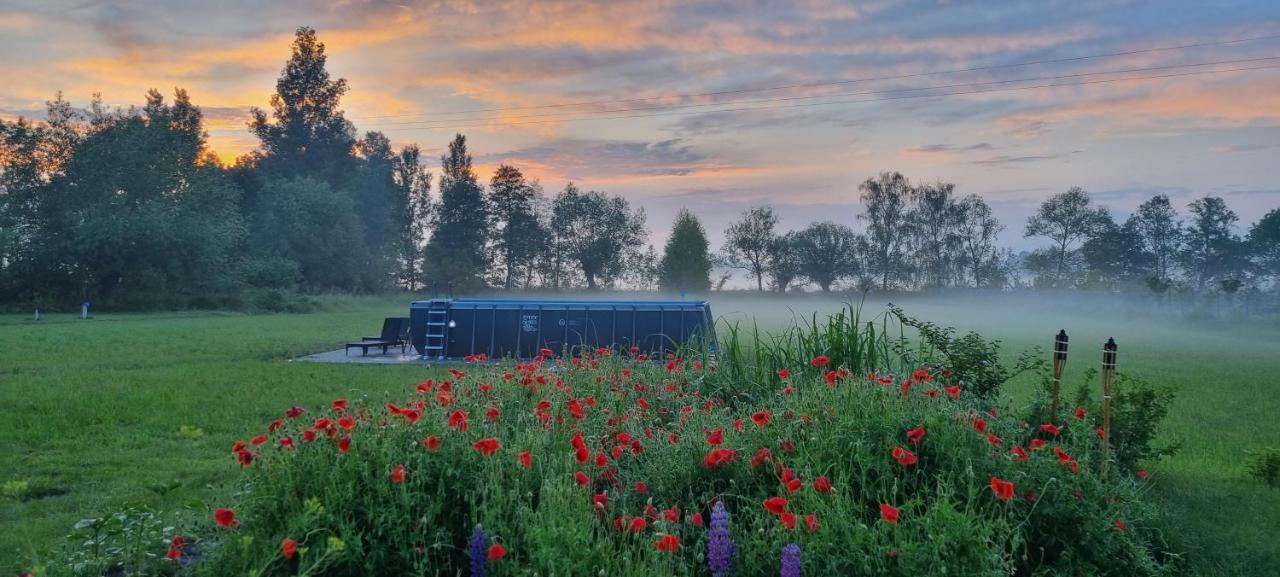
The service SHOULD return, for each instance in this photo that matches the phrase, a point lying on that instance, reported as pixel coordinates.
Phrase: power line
(432, 123)
(832, 83)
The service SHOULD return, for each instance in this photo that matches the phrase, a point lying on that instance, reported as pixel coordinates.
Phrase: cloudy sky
(721, 105)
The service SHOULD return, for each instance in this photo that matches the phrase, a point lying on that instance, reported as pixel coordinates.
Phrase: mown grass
(91, 411)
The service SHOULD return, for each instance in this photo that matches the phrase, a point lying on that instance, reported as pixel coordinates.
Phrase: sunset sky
(422, 71)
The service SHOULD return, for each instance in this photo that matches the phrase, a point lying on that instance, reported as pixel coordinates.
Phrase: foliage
(131, 541)
(1265, 465)
(594, 232)
(686, 259)
(519, 236)
(1264, 242)
(1137, 411)
(1066, 219)
(748, 242)
(825, 253)
(970, 359)
(1211, 251)
(456, 251)
(885, 200)
(402, 484)
(317, 226)
(784, 258)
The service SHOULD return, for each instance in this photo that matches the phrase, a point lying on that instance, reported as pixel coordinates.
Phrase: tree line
(131, 207)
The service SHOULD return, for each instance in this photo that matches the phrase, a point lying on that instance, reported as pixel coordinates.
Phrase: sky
(718, 106)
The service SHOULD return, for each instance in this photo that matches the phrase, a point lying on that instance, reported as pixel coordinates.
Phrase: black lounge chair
(395, 332)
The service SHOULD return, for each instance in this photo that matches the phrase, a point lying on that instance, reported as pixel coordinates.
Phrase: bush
(973, 360)
(131, 541)
(1265, 465)
(1137, 409)
(628, 457)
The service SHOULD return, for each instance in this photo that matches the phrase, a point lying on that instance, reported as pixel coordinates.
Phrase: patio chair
(395, 332)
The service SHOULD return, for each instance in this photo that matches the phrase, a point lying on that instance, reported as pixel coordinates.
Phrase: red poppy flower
(788, 520)
(288, 547)
(581, 478)
(344, 444)
(258, 440)
(309, 435)
(1080, 413)
(340, 405)
(1120, 524)
(718, 457)
(716, 437)
(762, 456)
(822, 484)
(794, 485)
(637, 524)
(496, 551)
(829, 377)
(347, 422)
(931, 392)
(286, 443)
(1051, 429)
(486, 446)
(788, 445)
(914, 435)
(667, 543)
(784, 374)
(431, 442)
(820, 361)
(811, 522)
(952, 391)
(904, 457)
(526, 459)
(760, 418)
(1003, 489)
(175, 548)
(601, 460)
(921, 376)
(980, 425)
(397, 474)
(775, 505)
(245, 458)
(458, 420)
(993, 439)
(641, 487)
(1063, 457)
(889, 513)
(225, 518)
(575, 409)
(293, 412)
(1074, 465)
(1019, 453)
(545, 352)
(672, 515)
(1141, 474)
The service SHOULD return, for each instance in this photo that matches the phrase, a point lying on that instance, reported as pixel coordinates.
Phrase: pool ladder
(437, 334)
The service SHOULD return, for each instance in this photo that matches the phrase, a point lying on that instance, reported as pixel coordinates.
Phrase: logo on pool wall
(529, 323)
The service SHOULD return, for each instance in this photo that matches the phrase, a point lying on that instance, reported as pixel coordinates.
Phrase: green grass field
(91, 411)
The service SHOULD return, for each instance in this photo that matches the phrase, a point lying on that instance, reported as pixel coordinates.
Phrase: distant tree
(686, 262)
(1116, 254)
(1264, 244)
(934, 221)
(825, 253)
(748, 240)
(456, 251)
(1066, 219)
(318, 226)
(885, 211)
(1161, 231)
(307, 134)
(977, 229)
(374, 193)
(519, 236)
(596, 233)
(1211, 251)
(410, 215)
(643, 270)
(784, 261)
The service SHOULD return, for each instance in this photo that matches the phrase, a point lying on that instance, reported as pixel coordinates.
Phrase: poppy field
(602, 460)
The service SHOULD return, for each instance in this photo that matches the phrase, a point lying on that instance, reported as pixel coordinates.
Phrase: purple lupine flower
(719, 545)
(791, 561)
(477, 552)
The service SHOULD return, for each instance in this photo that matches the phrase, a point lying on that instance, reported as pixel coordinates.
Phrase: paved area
(375, 357)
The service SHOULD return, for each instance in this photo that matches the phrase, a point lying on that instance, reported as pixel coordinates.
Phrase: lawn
(93, 412)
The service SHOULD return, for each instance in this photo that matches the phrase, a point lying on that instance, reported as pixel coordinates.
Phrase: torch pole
(1059, 363)
(1108, 380)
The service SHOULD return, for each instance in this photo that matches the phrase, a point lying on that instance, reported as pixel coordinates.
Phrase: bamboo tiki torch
(1108, 378)
(1059, 363)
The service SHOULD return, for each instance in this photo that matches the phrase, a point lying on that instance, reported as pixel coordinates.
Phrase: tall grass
(748, 360)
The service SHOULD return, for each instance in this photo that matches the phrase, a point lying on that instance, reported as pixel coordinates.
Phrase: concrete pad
(375, 357)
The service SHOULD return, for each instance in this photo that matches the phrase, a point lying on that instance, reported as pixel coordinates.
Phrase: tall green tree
(977, 228)
(1067, 219)
(1264, 243)
(1161, 232)
(374, 192)
(1116, 255)
(885, 209)
(1211, 251)
(747, 242)
(785, 265)
(518, 235)
(456, 251)
(318, 226)
(410, 215)
(825, 253)
(686, 260)
(595, 233)
(306, 133)
(933, 222)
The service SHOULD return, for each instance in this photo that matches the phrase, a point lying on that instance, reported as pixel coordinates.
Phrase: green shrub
(654, 423)
(1137, 409)
(1265, 465)
(131, 541)
(972, 359)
